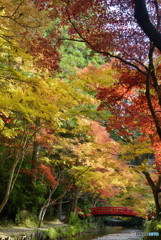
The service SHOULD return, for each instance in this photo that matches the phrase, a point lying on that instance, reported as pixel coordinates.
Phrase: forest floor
(16, 230)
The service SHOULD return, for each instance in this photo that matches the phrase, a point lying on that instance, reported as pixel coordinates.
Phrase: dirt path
(15, 231)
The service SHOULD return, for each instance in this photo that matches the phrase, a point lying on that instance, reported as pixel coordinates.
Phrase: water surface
(98, 233)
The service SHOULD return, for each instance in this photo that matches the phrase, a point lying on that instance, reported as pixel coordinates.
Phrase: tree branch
(83, 39)
(142, 17)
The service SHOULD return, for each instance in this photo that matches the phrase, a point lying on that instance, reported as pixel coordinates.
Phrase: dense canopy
(80, 118)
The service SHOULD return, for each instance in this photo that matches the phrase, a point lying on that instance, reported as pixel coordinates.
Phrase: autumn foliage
(59, 133)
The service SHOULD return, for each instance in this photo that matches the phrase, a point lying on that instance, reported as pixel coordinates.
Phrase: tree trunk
(43, 212)
(35, 150)
(9, 187)
(142, 17)
(75, 200)
(58, 212)
(157, 206)
(73, 204)
(44, 208)
(18, 159)
(155, 190)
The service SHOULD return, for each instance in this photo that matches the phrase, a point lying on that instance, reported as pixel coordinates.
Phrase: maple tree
(24, 26)
(109, 26)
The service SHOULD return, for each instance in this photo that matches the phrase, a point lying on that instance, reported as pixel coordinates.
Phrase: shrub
(74, 220)
(51, 233)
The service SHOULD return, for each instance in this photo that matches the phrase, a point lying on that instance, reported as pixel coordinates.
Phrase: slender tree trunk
(43, 212)
(58, 212)
(9, 187)
(35, 150)
(75, 200)
(48, 203)
(68, 214)
(18, 159)
(73, 204)
(44, 207)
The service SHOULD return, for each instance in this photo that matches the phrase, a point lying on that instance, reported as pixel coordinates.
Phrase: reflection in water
(98, 233)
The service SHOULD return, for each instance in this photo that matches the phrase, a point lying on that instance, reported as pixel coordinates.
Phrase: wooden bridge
(115, 211)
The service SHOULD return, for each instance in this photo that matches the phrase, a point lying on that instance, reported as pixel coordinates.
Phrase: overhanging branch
(142, 17)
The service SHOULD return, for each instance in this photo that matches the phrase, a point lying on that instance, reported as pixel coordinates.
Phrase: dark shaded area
(132, 222)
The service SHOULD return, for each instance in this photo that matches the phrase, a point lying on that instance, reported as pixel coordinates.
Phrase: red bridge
(115, 211)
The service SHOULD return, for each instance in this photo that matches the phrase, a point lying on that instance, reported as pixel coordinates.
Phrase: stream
(112, 233)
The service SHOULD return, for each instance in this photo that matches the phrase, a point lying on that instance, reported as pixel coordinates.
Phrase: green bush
(51, 233)
(60, 231)
(68, 232)
(87, 226)
(71, 231)
(74, 220)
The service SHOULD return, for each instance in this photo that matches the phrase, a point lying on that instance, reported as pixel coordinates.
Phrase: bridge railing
(112, 210)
